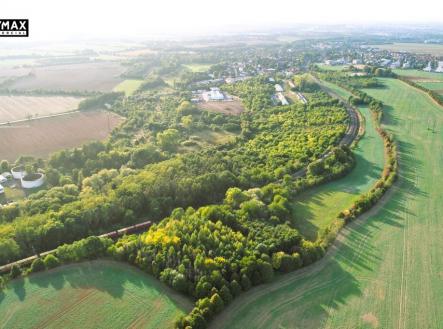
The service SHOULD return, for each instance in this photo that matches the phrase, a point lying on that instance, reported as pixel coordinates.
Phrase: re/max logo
(14, 27)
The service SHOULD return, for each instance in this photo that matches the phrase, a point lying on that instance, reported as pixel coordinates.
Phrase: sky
(64, 19)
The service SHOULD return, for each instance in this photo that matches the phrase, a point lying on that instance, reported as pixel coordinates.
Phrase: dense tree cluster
(275, 142)
(255, 93)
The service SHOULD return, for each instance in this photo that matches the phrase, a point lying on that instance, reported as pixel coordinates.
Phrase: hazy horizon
(55, 20)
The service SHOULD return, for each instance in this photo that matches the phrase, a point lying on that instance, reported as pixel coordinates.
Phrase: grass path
(99, 294)
(385, 271)
(314, 209)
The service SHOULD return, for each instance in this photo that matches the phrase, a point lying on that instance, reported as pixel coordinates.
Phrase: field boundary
(39, 117)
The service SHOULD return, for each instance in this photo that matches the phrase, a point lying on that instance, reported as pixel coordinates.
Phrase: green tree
(51, 261)
(168, 139)
(4, 166)
(37, 266)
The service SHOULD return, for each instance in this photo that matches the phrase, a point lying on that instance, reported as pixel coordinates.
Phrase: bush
(51, 261)
(37, 266)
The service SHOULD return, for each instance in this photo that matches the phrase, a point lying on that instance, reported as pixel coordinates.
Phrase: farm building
(439, 68)
(213, 95)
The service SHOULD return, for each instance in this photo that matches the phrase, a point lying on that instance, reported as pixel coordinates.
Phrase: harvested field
(95, 76)
(234, 107)
(41, 137)
(417, 48)
(14, 108)
(99, 294)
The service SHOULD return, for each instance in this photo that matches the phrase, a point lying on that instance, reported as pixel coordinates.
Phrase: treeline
(351, 82)
(101, 101)
(432, 93)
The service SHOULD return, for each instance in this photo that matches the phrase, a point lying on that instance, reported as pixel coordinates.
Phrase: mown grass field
(386, 269)
(99, 294)
(315, 209)
(128, 86)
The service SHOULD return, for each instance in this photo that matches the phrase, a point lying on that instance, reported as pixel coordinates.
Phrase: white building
(213, 95)
(278, 88)
(406, 65)
(439, 68)
(2, 189)
(428, 68)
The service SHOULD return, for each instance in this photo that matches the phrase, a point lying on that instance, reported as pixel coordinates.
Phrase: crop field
(99, 294)
(128, 86)
(418, 48)
(234, 107)
(14, 108)
(315, 209)
(95, 76)
(44, 136)
(385, 269)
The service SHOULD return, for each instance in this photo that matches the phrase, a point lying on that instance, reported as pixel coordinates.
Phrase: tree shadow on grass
(109, 277)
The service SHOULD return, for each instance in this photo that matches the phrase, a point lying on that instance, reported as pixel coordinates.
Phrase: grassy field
(417, 75)
(429, 80)
(314, 210)
(128, 86)
(24, 107)
(418, 48)
(385, 270)
(99, 294)
(234, 107)
(198, 67)
(332, 67)
(44, 136)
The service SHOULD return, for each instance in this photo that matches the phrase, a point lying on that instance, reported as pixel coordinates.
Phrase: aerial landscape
(176, 167)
